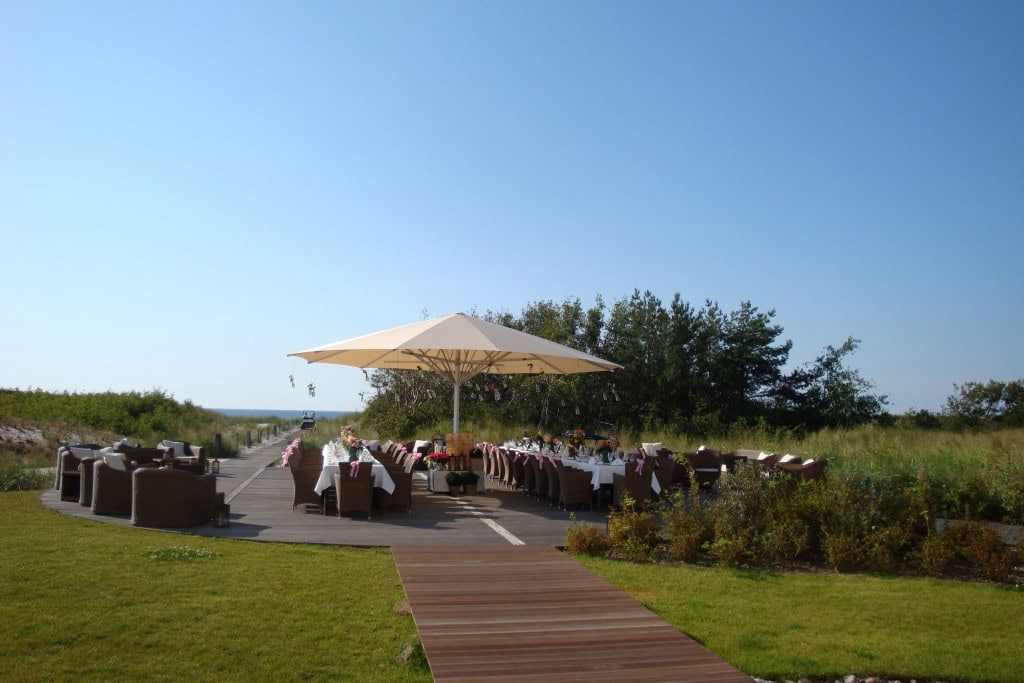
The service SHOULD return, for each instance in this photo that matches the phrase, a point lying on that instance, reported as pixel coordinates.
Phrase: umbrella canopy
(458, 347)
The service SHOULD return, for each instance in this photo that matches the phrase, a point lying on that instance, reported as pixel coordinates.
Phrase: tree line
(685, 369)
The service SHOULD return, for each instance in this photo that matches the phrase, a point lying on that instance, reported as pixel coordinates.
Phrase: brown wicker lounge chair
(70, 476)
(806, 471)
(173, 498)
(355, 494)
(706, 465)
(111, 490)
(85, 480)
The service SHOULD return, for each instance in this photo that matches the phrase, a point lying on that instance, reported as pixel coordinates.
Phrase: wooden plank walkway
(492, 613)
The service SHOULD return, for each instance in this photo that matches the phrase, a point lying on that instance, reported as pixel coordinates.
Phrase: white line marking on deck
(499, 529)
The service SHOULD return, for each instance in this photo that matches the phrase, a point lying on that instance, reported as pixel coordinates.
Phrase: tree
(976, 403)
(746, 363)
(829, 394)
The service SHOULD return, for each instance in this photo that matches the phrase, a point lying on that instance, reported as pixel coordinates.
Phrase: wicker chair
(304, 478)
(355, 494)
(70, 476)
(540, 477)
(85, 480)
(529, 480)
(508, 476)
(706, 464)
(637, 485)
(554, 490)
(111, 490)
(173, 498)
(402, 495)
(574, 487)
(665, 470)
(58, 479)
(808, 471)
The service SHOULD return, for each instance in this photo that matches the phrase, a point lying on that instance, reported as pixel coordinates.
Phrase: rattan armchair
(173, 498)
(111, 490)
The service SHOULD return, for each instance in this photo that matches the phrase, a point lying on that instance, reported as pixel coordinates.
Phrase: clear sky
(189, 191)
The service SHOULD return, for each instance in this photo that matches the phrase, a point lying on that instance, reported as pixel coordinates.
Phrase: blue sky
(189, 191)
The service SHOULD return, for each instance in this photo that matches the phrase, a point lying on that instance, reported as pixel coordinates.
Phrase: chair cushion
(177, 447)
(788, 458)
(651, 449)
(113, 461)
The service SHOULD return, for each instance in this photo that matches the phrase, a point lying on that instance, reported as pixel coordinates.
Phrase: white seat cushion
(113, 461)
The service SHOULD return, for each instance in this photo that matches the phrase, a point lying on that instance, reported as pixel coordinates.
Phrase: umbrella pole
(455, 413)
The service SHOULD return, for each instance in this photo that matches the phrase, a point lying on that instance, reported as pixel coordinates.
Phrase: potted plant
(469, 481)
(454, 481)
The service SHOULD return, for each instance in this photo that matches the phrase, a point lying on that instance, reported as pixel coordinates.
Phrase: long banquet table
(334, 458)
(601, 474)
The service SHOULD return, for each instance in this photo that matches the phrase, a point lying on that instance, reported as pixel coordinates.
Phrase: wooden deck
(494, 613)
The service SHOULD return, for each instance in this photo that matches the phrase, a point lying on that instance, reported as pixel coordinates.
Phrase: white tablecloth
(331, 466)
(601, 474)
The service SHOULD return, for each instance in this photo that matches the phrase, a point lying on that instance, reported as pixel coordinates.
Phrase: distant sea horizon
(283, 414)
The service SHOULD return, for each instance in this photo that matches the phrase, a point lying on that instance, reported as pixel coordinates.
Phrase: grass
(94, 601)
(784, 626)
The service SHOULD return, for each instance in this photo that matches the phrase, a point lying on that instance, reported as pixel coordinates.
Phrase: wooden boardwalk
(494, 613)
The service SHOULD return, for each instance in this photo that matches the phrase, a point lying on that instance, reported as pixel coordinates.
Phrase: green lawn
(790, 625)
(92, 601)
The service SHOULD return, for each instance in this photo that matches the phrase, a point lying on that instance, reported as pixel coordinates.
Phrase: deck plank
(529, 613)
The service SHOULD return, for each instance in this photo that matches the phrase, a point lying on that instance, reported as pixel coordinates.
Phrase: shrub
(633, 530)
(585, 539)
(980, 545)
(685, 525)
(730, 550)
(785, 537)
(16, 476)
(842, 551)
(936, 553)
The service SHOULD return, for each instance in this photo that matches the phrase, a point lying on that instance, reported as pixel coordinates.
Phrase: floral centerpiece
(554, 444)
(575, 440)
(351, 442)
(605, 448)
(438, 460)
(538, 439)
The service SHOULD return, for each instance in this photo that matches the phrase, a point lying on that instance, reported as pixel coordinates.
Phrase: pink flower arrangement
(349, 438)
(292, 448)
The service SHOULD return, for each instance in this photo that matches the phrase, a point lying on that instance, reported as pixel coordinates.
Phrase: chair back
(354, 493)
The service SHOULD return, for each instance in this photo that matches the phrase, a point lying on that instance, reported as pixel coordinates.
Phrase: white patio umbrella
(458, 347)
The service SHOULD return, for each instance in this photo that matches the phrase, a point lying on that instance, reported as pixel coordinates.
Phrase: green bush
(16, 476)
(936, 554)
(686, 527)
(983, 548)
(585, 539)
(633, 530)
